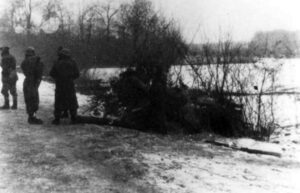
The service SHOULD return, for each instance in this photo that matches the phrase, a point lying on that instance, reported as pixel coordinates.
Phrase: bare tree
(216, 71)
(28, 7)
(107, 13)
(55, 10)
(20, 14)
(11, 18)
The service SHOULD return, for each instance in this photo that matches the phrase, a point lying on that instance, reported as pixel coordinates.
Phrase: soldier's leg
(65, 114)
(32, 101)
(35, 99)
(73, 106)
(35, 105)
(4, 91)
(13, 92)
(73, 113)
(27, 99)
(57, 115)
(57, 110)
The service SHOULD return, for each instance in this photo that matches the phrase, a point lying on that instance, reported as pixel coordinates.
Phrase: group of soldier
(64, 72)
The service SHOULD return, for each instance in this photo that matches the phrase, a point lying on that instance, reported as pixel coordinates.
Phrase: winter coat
(64, 72)
(33, 70)
(8, 64)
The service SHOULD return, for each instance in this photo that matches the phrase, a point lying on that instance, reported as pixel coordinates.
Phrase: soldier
(9, 78)
(65, 113)
(33, 71)
(64, 72)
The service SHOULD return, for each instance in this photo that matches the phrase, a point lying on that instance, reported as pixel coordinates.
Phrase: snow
(249, 146)
(47, 91)
(90, 158)
(221, 174)
(102, 73)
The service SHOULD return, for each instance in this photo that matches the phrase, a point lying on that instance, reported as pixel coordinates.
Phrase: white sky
(241, 18)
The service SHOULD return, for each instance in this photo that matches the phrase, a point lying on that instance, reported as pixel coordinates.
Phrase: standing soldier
(33, 71)
(9, 78)
(65, 113)
(64, 72)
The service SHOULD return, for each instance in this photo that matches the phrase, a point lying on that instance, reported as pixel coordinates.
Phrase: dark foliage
(153, 45)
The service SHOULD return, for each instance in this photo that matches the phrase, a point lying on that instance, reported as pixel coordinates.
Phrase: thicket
(141, 92)
(234, 99)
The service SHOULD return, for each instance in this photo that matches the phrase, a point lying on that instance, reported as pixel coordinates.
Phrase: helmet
(5, 50)
(65, 52)
(30, 51)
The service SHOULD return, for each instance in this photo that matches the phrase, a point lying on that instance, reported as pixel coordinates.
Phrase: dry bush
(231, 96)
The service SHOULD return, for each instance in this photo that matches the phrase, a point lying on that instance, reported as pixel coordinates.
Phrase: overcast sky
(241, 18)
(210, 18)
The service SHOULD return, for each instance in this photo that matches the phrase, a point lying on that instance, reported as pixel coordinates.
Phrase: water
(286, 106)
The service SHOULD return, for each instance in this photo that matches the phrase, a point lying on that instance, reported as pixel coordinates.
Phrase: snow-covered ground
(92, 159)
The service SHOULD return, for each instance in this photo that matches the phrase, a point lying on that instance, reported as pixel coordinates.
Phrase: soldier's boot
(57, 116)
(34, 121)
(56, 121)
(6, 103)
(15, 103)
(73, 116)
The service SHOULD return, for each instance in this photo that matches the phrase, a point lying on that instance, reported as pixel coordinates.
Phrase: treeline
(99, 34)
(213, 53)
(268, 44)
(278, 44)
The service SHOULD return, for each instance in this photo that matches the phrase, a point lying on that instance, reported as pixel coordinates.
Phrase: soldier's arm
(40, 69)
(13, 63)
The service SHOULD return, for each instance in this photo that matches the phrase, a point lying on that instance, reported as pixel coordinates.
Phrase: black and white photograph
(150, 96)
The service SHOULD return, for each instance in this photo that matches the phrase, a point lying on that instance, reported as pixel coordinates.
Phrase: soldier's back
(66, 68)
(8, 63)
(30, 66)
